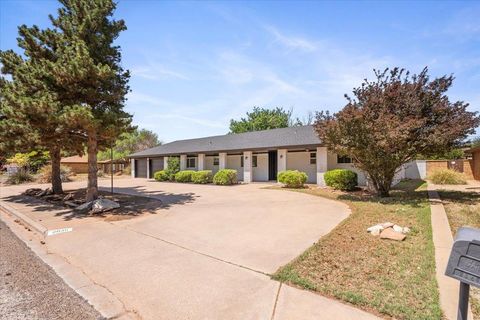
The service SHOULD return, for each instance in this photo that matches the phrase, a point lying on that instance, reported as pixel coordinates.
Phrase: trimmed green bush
(202, 176)
(173, 166)
(292, 178)
(341, 179)
(184, 176)
(161, 175)
(447, 176)
(225, 177)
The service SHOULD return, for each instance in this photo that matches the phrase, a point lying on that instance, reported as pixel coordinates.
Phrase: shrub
(173, 167)
(341, 179)
(202, 176)
(161, 175)
(225, 177)
(292, 178)
(447, 176)
(21, 176)
(45, 174)
(184, 176)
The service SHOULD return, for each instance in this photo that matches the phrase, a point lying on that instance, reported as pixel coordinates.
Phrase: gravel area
(30, 289)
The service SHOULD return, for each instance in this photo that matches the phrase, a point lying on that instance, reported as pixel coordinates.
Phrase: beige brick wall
(464, 166)
(476, 165)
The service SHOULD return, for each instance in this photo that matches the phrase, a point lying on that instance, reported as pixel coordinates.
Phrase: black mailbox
(464, 262)
(464, 265)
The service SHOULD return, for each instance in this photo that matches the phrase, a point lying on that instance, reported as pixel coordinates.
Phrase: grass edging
(392, 279)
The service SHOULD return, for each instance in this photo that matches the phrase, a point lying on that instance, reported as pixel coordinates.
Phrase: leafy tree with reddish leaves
(392, 119)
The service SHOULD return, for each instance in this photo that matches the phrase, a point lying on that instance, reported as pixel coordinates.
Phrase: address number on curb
(58, 231)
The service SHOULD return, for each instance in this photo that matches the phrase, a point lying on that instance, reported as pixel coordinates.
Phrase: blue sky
(196, 65)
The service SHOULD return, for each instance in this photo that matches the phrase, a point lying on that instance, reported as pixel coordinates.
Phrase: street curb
(24, 219)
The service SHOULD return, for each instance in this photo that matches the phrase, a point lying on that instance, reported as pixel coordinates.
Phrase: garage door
(141, 168)
(156, 165)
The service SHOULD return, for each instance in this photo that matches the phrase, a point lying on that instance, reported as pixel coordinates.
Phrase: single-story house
(76, 163)
(79, 164)
(118, 165)
(257, 156)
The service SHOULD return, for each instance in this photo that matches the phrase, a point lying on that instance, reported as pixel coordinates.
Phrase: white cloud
(291, 42)
(154, 71)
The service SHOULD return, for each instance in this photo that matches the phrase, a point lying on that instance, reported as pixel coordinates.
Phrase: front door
(272, 165)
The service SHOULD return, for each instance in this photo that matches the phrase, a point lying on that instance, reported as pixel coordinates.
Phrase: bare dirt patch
(390, 278)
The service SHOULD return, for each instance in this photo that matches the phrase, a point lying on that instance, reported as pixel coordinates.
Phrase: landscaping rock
(48, 191)
(53, 197)
(386, 225)
(375, 230)
(41, 193)
(71, 204)
(397, 228)
(391, 234)
(405, 230)
(85, 206)
(32, 191)
(68, 197)
(102, 205)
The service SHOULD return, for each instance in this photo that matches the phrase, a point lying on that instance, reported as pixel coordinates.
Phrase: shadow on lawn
(407, 192)
(137, 202)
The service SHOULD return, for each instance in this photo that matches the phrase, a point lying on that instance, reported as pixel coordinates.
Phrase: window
(313, 157)
(216, 161)
(191, 162)
(343, 159)
(254, 161)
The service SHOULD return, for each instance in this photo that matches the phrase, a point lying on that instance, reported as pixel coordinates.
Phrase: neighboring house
(118, 165)
(257, 156)
(76, 163)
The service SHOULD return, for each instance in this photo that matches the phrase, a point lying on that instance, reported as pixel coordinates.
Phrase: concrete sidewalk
(443, 241)
(196, 260)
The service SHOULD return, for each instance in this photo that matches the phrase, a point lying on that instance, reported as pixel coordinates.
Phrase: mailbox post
(464, 265)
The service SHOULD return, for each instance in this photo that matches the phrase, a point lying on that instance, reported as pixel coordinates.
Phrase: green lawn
(393, 279)
(463, 209)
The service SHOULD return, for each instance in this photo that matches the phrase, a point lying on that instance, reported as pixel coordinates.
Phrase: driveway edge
(443, 242)
(107, 304)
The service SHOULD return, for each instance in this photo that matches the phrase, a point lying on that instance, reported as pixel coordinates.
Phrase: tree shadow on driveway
(134, 201)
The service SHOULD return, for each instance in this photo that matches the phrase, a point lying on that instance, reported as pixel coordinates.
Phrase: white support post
(322, 158)
(281, 160)
(201, 161)
(165, 163)
(247, 167)
(222, 160)
(148, 168)
(132, 167)
(183, 162)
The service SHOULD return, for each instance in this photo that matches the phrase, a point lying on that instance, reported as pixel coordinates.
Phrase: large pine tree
(34, 115)
(92, 76)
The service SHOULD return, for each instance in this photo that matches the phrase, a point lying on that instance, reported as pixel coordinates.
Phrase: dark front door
(150, 168)
(272, 165)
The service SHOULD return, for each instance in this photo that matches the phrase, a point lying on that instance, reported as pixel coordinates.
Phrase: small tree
(394, 118)
(262, 119)
(131, 142)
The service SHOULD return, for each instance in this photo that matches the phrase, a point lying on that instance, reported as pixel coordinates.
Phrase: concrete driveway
(206, 254)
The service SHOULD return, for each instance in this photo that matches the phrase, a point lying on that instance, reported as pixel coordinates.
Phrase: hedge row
(222, 177)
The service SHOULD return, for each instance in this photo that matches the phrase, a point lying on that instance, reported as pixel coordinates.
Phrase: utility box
(464, 262)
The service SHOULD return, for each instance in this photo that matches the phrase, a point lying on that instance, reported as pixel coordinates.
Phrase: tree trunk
(92, 187)
(56, 176)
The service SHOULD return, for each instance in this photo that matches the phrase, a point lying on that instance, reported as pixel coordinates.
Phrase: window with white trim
(191, 162)
(216, 161)
(313, 158)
